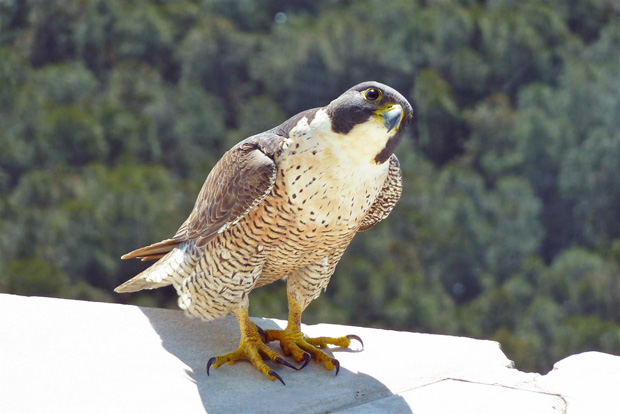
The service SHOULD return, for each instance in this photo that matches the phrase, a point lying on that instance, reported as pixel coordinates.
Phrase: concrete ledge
(63, 356)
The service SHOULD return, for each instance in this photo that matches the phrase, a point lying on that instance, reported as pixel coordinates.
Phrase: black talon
(357, 338)
(282, 361)
(211, 361)
(337, 364)
(273, 374)
(307, 359)
(262, 333)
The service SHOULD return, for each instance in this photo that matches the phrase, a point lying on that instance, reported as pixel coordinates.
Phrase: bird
(284, 203)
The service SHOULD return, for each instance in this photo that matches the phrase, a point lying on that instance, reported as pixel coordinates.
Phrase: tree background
(112, 113)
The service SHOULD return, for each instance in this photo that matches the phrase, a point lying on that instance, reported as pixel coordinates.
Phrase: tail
(176, 262)
(152, 252)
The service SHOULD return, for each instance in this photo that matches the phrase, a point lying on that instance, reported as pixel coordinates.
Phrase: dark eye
(372, 94)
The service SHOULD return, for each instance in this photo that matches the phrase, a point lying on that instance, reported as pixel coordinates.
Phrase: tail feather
(177, 265)
(152, 257)
(157, 249)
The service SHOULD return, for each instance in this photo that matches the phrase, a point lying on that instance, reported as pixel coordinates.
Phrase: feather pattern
(387, 198)
(177, 264)
(236, 185)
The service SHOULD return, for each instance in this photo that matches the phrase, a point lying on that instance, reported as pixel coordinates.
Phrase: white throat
(338, 168)
(357, 148)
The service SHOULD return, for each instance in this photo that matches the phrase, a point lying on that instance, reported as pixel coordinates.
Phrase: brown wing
(387, 198)
(236, 185)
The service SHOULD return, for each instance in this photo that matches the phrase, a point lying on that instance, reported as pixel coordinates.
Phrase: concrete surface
(64, 356)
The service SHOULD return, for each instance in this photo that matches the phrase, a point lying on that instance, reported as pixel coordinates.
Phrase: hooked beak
(391, 117)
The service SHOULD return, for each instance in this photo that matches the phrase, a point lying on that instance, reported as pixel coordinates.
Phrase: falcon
(284, 203)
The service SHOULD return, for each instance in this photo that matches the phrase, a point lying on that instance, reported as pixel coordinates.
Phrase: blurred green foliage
(113, 113)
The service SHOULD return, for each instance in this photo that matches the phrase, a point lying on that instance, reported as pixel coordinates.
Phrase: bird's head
(371, 116)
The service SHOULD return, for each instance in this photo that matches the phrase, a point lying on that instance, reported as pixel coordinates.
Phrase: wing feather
(236, 185)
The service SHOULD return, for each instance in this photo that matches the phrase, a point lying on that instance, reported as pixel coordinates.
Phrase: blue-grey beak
(392, 117)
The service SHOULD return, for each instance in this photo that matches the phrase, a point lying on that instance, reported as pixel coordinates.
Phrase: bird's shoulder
(285, 128)
(240, 180)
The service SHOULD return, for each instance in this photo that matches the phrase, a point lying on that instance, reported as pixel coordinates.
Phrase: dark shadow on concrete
(240, 388)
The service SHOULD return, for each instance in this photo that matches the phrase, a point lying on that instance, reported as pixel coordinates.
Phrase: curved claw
(211, 361)
(337, 364)
(261, 333)
(282, 361)
(273, 374)
(357, 338)
(307, 359)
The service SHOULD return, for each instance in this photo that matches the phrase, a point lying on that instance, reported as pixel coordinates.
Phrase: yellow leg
(251, 348)
(302, 348)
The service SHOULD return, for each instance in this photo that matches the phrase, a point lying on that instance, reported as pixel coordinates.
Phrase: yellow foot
(302, 348)
(252, 349)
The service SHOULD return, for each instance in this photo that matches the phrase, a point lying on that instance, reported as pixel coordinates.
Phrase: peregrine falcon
(284, 203)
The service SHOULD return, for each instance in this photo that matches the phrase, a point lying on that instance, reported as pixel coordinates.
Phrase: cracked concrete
(63, 356)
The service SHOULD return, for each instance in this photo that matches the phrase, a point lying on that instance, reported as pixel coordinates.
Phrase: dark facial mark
(389, 148)
(344, 115)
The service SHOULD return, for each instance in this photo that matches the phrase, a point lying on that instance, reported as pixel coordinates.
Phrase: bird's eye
(372, 94)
